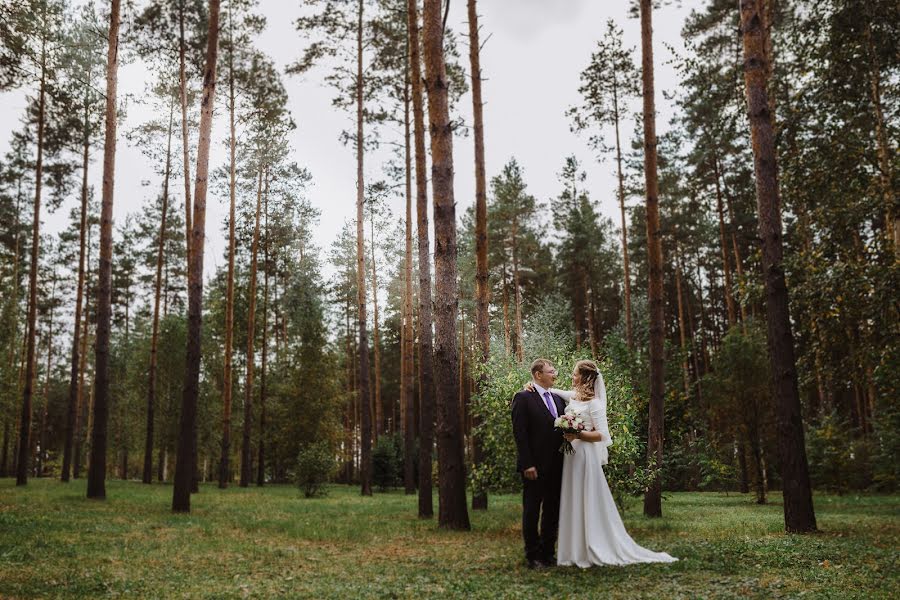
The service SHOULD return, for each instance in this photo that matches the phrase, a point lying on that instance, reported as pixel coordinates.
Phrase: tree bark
(408, 390)
(8, 429)
(799, 515)
(42, 436)
(4, 451)
(517, 291)
(184, 464)
(682, 333)
(28, 389)
(653, 496)
(71, 413)
(246, 454)
(426, 352)
(227, 382)
(723, 248)
(376, 343)
(482, 291)
(147, 476)
(261, 455)
(629, 335)
(452, 509)
(185, 141)
(81, 415)
(96, 488)
(507, 335)
(591, 321)
(363, 350)
(885, 172)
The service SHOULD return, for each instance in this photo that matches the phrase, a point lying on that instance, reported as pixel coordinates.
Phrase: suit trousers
(540, 505)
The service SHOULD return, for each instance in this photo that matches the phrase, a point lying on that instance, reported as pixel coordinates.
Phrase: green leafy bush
(315, 466)
(387, 461)
(504, 376)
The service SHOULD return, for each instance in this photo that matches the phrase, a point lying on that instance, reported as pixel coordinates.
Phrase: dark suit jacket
(537, 441)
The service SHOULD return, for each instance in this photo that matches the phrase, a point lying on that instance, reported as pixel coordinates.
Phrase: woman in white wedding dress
(591, 531)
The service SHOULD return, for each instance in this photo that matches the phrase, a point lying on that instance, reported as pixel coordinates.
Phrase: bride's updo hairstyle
(589, 372)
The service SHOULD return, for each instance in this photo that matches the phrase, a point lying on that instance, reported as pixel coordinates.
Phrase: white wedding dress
(591, 531)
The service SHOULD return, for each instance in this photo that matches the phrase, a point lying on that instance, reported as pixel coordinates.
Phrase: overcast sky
(531, 64)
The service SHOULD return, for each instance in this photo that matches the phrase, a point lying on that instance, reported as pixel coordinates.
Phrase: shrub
(387, 461)
(315, 465)
(504, 377)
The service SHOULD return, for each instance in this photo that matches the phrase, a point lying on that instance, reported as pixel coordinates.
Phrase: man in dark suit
(540, 462)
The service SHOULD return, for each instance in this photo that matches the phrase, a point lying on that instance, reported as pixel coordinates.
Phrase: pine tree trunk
(185, 140)
(517, 293)
(8, 430)
(704, 342)
(81, 414)
(682, 333)
(591, 321)
(72, 412)
(578, 308)
(97, 467)
(246, 453)
(407, 391)
(227, 382)
(261, 455)
(89, 410)
(507, 334)
(147, 476)
(28, 390)
(482, 291)
(885, 152)
(759, 478)
(452, 509)
(738, 261)
(42, 436)
(4, 451)
(376, 343)
(692, 335)
(655, 435)
(426, 351)
(723, 247)
(799, 515)
(629, 335)
(184, 463)
(741, 451)
(363, 350)
(351, 388)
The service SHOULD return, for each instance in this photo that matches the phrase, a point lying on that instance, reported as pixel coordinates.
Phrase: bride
(591, 531)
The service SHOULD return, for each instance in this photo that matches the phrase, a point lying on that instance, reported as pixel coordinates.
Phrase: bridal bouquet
(569, 423)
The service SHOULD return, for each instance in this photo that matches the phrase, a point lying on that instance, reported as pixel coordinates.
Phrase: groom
(540, 463)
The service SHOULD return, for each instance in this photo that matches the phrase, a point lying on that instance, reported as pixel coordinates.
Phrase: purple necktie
(551, 406)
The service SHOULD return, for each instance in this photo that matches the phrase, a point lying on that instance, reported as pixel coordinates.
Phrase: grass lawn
(272, 542)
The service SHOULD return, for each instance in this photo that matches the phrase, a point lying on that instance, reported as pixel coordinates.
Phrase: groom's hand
(530, 473)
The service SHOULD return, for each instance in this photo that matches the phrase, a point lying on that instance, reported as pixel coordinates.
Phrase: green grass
(272, 542)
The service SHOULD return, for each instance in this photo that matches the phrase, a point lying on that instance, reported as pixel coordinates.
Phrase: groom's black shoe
(536, 565)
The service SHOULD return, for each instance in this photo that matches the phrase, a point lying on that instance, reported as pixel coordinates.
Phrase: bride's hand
(570, 437)
(529, 387)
